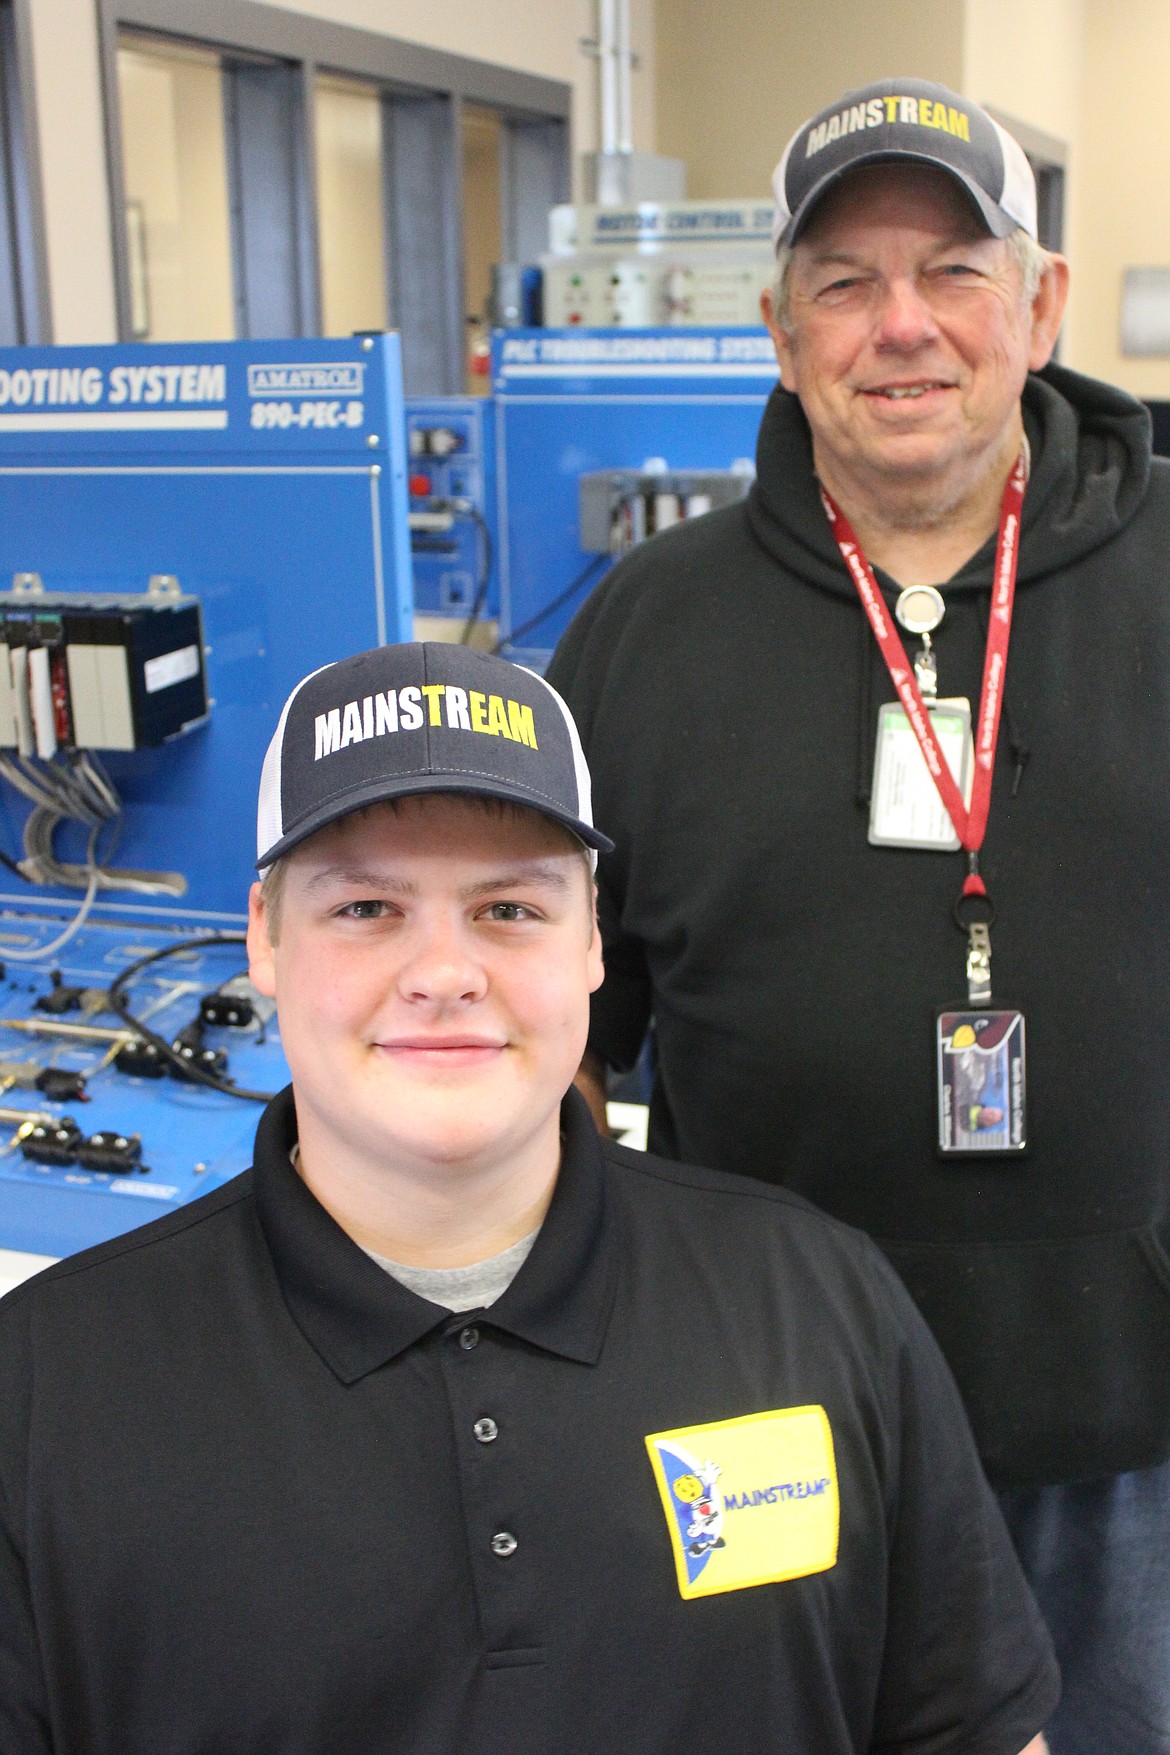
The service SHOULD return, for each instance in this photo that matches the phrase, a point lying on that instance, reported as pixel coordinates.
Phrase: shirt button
(468, 1338)
(485, 1430)
(504, 1544)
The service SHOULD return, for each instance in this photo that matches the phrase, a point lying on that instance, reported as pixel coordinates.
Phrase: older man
(886, 755)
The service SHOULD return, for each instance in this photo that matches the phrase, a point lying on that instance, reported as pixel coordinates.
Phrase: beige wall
(734, 80)
(73, 169)
(542, 38)
(1028, 62)
(1123, 217)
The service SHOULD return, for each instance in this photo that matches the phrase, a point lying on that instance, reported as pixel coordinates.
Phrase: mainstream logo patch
(749, 1501)
(402, 710)
(914, 111)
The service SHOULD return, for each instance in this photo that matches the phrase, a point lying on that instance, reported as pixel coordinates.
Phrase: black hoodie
(726, 685)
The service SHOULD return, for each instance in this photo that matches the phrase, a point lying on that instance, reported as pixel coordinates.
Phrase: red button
(420, 486)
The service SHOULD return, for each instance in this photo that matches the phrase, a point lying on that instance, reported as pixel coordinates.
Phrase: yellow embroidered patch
(749, 1501)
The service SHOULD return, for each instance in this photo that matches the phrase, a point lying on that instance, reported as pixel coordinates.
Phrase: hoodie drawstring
(1020, 752)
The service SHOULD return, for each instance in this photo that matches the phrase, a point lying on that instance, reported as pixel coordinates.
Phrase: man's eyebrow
(359, 878)
(844, 258)
(539, 875)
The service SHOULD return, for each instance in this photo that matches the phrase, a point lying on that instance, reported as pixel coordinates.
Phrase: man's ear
(1048, 311)
(781, 340)
(261, 956)
(595, 963)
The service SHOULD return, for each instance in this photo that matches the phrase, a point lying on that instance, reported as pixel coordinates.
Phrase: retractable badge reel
(905, 807)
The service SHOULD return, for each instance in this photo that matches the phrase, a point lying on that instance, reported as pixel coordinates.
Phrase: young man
(450, 1429)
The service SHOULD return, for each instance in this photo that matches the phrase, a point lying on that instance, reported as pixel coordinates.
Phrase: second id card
(982, 1095)
(905, 808)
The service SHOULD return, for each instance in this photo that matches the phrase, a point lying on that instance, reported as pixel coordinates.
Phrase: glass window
(351, 226)
(481, 234)
(176, 180)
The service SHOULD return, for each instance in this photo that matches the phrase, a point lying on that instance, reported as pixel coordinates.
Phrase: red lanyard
(970, 825)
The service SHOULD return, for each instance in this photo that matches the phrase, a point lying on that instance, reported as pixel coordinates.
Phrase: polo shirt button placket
(486, 1430)
(469, 1337)
(504, 1544)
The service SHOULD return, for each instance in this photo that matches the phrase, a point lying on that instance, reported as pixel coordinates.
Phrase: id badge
(982, 1091)
(905, 808)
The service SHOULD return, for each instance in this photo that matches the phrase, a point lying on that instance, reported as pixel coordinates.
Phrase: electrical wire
(79, 919)
(121, 1005)
(485, 574)
(74, 787)
(550, 608)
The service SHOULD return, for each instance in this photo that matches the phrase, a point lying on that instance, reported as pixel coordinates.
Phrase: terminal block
(112, 1153)
(621, 507)
(52, 1142)
(98, 671)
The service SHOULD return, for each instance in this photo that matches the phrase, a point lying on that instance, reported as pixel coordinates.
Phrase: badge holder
(905, 807)
(982, 1085)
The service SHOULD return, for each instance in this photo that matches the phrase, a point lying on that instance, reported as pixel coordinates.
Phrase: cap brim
(379, 791)
(998, 223)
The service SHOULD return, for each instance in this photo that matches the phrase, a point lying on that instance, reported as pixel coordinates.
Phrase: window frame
(22, 169)
(403, 71)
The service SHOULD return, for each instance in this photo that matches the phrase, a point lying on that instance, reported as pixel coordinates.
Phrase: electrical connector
(59, 998)
(190, 1047)
(54, 1142)
(111, 1153)
(141, 1060)
(233, 1011)
(60, 1085)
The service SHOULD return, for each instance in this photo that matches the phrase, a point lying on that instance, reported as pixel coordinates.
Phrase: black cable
(485, 574)
(120, 1005)
(550, 608)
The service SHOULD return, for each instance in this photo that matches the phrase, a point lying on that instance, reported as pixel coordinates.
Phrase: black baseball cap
(913, 121)
(425, 717)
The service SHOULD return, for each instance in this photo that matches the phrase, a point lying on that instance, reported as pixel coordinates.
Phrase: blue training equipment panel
(192, 1138)
(452, 482)
(269, 478)
(570, 401)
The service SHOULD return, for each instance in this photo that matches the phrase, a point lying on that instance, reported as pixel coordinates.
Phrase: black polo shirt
(256, 1498)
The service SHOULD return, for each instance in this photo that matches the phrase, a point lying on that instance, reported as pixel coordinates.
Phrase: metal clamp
(978, 964)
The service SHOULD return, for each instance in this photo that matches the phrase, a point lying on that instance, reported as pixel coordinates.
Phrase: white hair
(1031, 258)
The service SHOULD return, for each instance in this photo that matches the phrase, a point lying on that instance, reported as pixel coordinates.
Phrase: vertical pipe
(607, 73)
(624, 59)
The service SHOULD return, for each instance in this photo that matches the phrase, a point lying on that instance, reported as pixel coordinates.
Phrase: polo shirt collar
(358, 1317)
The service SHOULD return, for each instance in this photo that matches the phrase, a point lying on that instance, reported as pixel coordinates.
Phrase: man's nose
(905, 318)
(441, 966)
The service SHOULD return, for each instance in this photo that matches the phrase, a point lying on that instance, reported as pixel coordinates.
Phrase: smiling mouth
(904, 392)
(442, 1045)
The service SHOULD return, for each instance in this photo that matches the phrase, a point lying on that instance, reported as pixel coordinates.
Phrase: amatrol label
(340, 377)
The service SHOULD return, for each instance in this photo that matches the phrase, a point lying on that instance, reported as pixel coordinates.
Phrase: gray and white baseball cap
(425, 717)
(913, 121)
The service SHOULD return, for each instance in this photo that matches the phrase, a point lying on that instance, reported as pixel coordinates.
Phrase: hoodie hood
(1091, 452)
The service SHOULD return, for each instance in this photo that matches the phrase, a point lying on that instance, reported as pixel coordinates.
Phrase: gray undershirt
(455, 1289)
(462, 1288)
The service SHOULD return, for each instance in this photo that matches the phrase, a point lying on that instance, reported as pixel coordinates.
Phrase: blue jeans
(1097, 1555)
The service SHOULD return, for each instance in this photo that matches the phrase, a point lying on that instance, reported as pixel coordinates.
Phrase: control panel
(132, 1076)
(98, 671)
(451, 483)
(621, 507)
